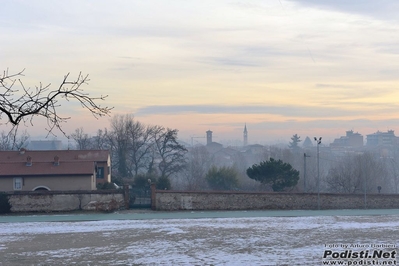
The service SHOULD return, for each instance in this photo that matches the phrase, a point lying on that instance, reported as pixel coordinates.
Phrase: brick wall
(177, 200)
(49, 201)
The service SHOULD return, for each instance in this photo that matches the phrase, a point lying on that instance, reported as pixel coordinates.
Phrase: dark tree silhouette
(295, 141)
(278, 174)
(24, 103)
(169, 151)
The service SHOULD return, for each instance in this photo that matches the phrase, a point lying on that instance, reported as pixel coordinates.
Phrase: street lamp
(304, 171)
(318, 142)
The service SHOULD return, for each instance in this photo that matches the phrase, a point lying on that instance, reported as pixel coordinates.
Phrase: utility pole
(318, 142)
(365, 185)
(304, 172)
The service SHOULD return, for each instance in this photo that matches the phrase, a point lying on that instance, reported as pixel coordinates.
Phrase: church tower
(245, 135)
(208, 137)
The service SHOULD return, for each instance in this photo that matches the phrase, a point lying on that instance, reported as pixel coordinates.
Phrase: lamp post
(304, 171)
(318, 142)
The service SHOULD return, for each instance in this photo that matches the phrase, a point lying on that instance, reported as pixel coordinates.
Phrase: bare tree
(199, 162)
(393, 172)
(24, 103)
(11, 141)
(83, 140)
(118, 139)
(140, 144)
(345, 176)
(357, 174)
(100, 140)
(392, 167)
(132, 145)
(170, 153)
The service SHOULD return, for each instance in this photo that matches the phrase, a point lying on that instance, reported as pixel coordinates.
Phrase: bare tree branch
(21, 105)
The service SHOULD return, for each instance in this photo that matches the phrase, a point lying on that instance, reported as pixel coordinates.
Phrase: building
(45, 145)
(385, 139)
(59, 170)
(307, 143)
(351, 140)
(208, 137)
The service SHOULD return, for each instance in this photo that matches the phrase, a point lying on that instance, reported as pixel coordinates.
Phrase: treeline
(138, 151)
(141, 152)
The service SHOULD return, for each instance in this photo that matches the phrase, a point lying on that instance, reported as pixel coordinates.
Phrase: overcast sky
(306, 67)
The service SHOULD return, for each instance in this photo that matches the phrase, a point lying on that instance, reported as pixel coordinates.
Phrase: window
(18, 183)
(100, 173)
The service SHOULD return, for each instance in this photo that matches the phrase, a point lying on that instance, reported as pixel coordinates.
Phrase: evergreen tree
(295, 141)
(278, 174)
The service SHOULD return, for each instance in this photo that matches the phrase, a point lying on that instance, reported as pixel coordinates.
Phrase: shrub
(223, 178)
(163, 183)
(5, 206)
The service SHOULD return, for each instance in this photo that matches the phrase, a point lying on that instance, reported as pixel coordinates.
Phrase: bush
(5, 206)
(163, 183)
(223, 178)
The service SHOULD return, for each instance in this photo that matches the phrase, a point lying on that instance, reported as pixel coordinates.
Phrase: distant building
(351, 140)
(208, 137)
(382, 139)
(210, 145)
(307, 143)
(44, 145)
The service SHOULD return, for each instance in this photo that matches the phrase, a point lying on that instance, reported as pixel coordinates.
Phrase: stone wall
(177, 200)
(51, 201)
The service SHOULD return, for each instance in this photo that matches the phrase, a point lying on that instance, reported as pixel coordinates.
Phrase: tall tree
(198, 163)
(118, 138)
(140, 144)
(12, 141)
(170, 152)
(100, 140)
(24, 103)
(357, 174)
(278, 174)
(82, 139)
(294, 144)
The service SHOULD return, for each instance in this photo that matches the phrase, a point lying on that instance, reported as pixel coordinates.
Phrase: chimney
(28, 161)
(56, 160)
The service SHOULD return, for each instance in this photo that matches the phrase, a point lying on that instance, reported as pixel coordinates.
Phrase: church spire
(245, 135)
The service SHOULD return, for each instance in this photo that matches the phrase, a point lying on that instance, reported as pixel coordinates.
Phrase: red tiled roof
(46, 168)
(48, 156)
(71, 162)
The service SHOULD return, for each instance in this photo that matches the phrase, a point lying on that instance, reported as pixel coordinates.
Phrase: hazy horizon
(312, 68)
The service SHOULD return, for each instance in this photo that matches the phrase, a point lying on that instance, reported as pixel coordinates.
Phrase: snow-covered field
(216, 241)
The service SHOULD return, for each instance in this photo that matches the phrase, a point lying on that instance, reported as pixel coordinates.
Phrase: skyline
(281, 67)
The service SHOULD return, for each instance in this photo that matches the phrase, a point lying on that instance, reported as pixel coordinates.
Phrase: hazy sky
(306, 67)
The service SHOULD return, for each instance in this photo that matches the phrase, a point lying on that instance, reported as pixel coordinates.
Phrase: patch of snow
(217, 241)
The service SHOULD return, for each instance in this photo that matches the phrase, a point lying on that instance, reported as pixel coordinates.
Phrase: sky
(280, 67)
